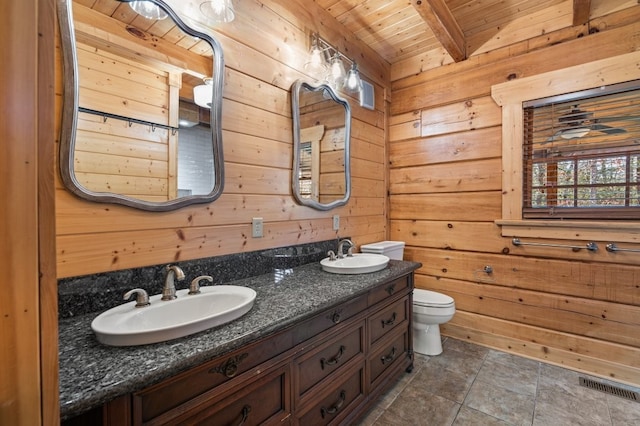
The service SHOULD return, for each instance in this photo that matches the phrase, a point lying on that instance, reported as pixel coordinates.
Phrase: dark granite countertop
(92, 373)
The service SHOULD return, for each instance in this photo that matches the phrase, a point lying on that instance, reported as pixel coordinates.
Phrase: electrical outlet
(336, 222)
(256, 227)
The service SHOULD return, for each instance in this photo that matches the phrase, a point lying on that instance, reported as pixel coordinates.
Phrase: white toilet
(430, 309)
(391, 249)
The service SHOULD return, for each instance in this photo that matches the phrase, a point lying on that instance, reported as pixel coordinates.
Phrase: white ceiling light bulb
(148, 9)
(203, 94)
(220, 11)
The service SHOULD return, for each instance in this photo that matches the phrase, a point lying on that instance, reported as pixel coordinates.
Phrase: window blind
(581, 155)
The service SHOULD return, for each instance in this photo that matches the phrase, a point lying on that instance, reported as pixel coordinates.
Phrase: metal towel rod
(591, 246)
(612, 247)
(130, 120)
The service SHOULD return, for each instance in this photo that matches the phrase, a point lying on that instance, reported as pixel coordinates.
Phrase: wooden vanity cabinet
(327, 369)
(208, 380)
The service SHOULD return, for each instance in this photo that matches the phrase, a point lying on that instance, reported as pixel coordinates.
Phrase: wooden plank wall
(265, 51)
(28, 308)
(551, 304)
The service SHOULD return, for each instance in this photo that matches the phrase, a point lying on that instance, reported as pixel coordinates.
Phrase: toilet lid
(431, 298)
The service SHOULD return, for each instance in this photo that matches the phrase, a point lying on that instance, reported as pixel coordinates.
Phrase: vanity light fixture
(353, 82)
(148, 9)
(203, 94)
(218, 11)
(324, 58)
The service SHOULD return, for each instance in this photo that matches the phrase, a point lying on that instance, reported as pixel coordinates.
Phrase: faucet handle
(142, 298)
(331, 254)
(194, 287)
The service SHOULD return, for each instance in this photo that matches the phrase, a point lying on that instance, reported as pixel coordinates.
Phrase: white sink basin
(126, 325)
(360, 263)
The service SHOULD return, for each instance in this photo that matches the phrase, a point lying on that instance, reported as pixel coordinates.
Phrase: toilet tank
(391, 249)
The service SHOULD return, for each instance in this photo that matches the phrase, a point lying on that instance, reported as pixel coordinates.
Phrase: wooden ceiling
(401, 29)
(409, 32)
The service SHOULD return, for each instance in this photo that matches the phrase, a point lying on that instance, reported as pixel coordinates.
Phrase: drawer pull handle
(333, 360)
(335, 407)
(390, 321)
(245, 414)
(230, 367)
(390, 357)
(335, 318)
(391, 289)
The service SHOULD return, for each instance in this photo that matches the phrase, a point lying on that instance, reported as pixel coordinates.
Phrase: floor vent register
(611, 390)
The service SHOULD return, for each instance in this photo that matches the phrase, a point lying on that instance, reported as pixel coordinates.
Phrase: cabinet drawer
(389, 353)
(169, 394)
(388, 319)
(329, 318)
(261, 402)
(319, 363)
(390, 290)
(332, 408)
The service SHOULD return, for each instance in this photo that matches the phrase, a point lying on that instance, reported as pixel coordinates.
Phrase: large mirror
(321, 140)
(142, 106)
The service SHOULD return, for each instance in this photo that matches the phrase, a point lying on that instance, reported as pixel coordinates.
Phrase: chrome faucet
(169, 289)
(341, 248)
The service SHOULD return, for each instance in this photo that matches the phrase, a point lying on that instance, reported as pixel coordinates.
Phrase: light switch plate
(256, 227)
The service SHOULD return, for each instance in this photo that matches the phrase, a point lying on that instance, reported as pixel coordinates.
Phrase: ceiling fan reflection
(578, 123)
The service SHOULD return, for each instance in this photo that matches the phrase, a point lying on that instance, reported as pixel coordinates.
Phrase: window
(305, 178)
(581, 155)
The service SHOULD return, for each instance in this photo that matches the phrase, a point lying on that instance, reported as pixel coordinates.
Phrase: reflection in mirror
(133, 132)
(321, 138)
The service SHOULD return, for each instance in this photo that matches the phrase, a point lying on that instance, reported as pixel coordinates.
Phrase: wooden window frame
(511, 96)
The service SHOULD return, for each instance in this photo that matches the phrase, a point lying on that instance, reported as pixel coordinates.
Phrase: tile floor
(472, 385)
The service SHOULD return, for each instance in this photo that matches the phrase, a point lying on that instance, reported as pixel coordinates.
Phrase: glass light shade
(148, 9)
(316, 60)
(203, 95)
(337, 68)
(353, 82)
(220, 11)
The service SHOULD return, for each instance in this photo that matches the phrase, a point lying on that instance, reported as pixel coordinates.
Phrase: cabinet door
(336, 402)
(263, 401)
(391, 290)
(329, 319)
(165, 396)
(387, 354)
(320, 362)
(388, 319)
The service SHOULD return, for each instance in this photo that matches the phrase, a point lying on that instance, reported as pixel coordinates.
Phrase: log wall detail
(576, 309)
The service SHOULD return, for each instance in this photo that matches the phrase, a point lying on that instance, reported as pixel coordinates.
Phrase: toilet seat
(432, 299)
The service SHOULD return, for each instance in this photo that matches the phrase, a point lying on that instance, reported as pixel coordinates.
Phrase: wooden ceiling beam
(581, 12)
(444, 26)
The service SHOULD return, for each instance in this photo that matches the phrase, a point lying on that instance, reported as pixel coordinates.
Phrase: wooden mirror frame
(295, 106)
(70, 118)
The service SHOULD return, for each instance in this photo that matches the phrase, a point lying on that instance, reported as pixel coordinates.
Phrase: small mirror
(142, 106)
(321, 139)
